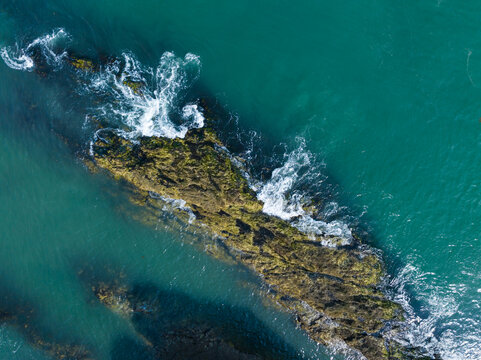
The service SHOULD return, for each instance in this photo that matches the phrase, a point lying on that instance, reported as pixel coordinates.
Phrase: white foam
(149, 111)
(442, 331)
(46, 44)
(281, 200)
(273, 192)
(20, 58)
(178, 204)
(337, 229)
(193, 113)
(17, 60)
(154, 109)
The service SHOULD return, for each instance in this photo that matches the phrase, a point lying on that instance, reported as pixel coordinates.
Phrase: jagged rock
(81, 63)
(333, 291)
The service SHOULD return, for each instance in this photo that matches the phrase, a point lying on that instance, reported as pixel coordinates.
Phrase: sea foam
(21, 58)
(150, 110)
(442, 330)
(282, 199)
(154, 109)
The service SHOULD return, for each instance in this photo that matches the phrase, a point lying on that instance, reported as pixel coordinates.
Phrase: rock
(81, 63)
(334, 292)
(135, 86)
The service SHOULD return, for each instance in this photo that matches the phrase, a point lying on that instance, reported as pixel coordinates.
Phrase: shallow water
(385, 97)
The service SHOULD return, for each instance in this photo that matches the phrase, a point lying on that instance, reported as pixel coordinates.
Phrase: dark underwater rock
(172, 325)
(22, 318)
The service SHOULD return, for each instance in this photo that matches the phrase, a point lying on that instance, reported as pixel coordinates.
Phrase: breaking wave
(17, 59)
(138, 99)
(22, 58)
(148, 100)
(434, 322)
(283, 198)
(437, 326)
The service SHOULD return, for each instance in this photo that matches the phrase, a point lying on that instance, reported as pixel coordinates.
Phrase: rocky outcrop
(82, 64)
(332, 291)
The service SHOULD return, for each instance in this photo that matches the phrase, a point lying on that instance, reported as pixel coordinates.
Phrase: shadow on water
(172, 325)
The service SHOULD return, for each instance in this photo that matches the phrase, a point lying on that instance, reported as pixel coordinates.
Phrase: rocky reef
(81, 63)
(172, 325)
(334, 292)
(22, 317)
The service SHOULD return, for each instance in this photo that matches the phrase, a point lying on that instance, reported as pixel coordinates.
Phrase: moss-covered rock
(135, 86)
(81, 63)
(333, 291)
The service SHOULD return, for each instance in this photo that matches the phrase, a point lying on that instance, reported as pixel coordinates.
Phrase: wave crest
(17, 59)
(22, 58)
(282, 199)
(148, 100)
(140, 100)
(438, 326)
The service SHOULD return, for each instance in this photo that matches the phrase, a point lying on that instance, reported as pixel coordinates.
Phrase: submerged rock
(172, 325)
(82, 64)
(22, 318)
(334, 292)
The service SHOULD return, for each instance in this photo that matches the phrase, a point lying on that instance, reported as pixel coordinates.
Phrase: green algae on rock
(333, 291)
(81, 63)
(135, 86)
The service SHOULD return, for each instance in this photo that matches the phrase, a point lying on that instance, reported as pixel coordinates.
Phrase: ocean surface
(370, 109)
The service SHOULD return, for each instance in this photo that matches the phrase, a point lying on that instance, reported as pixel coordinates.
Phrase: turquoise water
(386, 97)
